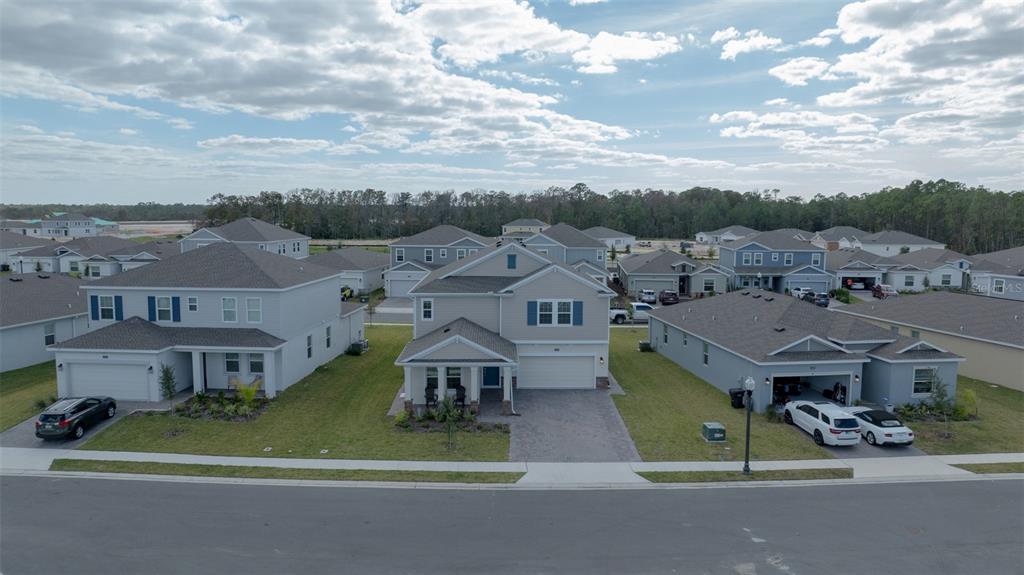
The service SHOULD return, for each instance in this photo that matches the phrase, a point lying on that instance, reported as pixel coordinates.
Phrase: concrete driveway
(24, 434)
(864, 449)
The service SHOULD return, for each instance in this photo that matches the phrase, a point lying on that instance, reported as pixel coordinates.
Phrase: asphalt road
(62, 525)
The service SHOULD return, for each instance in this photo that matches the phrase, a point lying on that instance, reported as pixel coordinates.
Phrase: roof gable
(567, 236)
(250, 229)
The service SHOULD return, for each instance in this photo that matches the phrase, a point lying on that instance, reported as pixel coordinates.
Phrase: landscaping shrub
(841, 294)
(402, 420)
(246, 391)
(168, 383)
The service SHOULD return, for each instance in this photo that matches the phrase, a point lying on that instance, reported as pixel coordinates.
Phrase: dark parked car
(808, 297)
(70, 417)
(882, 291)
(668, 297)
(821, 299)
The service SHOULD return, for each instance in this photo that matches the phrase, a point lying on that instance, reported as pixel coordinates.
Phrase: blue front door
(492, 377)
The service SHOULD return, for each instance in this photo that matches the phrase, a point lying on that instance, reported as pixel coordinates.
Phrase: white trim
(913, 377)
(225, 288)
(555, 268)
(47, 320)
(454, 339)
(428, 253)
(554, 312)
(919, 344)
(513, 247)
(559, 341)
(929, 360)
(811, 337)
(433, 310)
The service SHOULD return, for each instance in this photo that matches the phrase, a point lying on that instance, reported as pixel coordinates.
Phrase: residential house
(838, 237)
(37, 311)
(999, 274)
(667, 270)
(67, 225)
(12, 244)
(726, 234)
(853, 265)
(774, 261)
(75, 255)
(251, 232)
(25, 228)
(412, 258)
(361, 270)
(942, 268)
(565, 244)
(795, 350)
(527, 226)
(217, 314)
(895, 242)
(987, 332)
(614, 239)
(507, 317)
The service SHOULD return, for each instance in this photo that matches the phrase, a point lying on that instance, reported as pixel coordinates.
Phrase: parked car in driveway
(668, 297)
(857, 286)
(647, 296)
(880, 427)
(827, 423)
(799, 292)
(640, 311)
(882, 291)
(820, 299)
(618, 315)
(69, 418)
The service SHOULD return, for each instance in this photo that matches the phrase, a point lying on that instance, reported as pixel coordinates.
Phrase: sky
(124, 101)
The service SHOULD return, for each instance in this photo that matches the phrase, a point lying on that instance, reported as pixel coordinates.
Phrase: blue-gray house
(775, 261)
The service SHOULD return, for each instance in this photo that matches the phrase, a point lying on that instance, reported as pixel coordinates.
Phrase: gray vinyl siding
(696, 282)
(498, 266)
(726, 257)
(799, 257)
(555, 286)
(592, 255)
(204, 237)
(22, 346)
(416, 253)
(481, 310)
(894, 382)
(1013, 286)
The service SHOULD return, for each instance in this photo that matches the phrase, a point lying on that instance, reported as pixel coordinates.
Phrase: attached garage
(401, 278)
(398, 287)
(128, 382)
(556, 372)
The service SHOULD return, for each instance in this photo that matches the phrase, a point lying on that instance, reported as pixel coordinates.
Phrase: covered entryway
(556, 372)
(128, 382)
(816, 387)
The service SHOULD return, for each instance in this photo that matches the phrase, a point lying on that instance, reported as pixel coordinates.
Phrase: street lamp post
(748, 384)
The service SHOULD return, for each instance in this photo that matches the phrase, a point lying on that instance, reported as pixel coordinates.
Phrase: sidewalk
(24, 460)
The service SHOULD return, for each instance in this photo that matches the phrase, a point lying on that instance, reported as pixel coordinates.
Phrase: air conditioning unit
(712, 432)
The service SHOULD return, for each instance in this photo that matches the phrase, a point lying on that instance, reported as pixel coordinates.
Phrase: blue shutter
(94, 307)
(118, 308)
(152, 308)
(176, 308)
(577, 312)
(511, 261)
(531, 313)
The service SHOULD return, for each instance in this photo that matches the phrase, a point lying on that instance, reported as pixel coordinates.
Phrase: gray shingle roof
(896, 237)
(837, 259)
(66, 217)
(736, 230)
(928, 259)
(18, 224)
(656, 262)
(86, 247)
(775, 239)
(221, 265)
(836, 233)
(11, 241)
(253, 230)
(464, 329)
(601, 232)
(1009, 261)
(350, 259)
(974, 316)
(158, 248)
(926, 352)
(531, 222)
(442, 235)
(33, 298)
(570, 237)
(136, 333)
(806, 235)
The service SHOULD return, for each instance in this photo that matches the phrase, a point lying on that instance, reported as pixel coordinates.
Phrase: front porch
(426, 386)
(222, 369)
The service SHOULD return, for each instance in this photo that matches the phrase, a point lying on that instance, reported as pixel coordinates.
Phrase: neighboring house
(90, 256)
(67, 225)
(987, 332)
(251, 232)
(667, 270)
(12, 244)
(838, 238)
(909, 272)
(21, 227)
(506, 317)
(774, 261)
(999, 274)
(219, 313)
(565, 244)
(797, 233)
(854, 265)
(895, 242)
(37, 311)
(620, 241)
(787, 345)
(726, 234)
(524, 226)
(942, 268)
(412, 258)
(361, 269)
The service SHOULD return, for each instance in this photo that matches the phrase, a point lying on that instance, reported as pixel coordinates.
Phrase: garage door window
(231, 362)
(106, 307)
(255, 363)
(924, 380)
(49, 334)
(163, 309)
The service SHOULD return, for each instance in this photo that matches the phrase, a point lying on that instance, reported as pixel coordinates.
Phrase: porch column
(474, 389)
(270, 374)
(407, 389)
(506, 389)
(442, 382)
(198, 385)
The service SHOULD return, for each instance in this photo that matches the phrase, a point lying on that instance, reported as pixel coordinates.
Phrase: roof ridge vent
(769, 298)
(15, 279)
(757, 295)
(43, 276)
(779, 328)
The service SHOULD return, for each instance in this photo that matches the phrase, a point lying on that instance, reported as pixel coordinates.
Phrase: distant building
(895, 242)
(68, 225)
(621, 241)
(726, 234)
(999, 274)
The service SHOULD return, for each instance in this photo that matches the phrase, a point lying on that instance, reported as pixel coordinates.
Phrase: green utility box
(712, 432)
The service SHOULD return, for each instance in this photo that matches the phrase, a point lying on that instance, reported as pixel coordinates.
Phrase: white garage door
(555, 372)
(400, 288)
(127, 382)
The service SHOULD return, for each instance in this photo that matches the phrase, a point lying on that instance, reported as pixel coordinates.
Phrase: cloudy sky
(126, 101)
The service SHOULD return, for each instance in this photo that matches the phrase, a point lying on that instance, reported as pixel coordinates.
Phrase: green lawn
(998, 429)
(282, 473)
(1014, 467)
(765, 475)
(20, 389)
(665, 405)
(340, 407)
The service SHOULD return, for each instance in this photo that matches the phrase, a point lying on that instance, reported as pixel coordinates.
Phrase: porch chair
(460, 396)
(431, 397)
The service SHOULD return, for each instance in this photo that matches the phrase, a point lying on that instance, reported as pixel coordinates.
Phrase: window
(924, 380)
(709, 284)
(428, 255)
(705, 351)
(746, 258)
(775, 257)
(758, 259)
(255, 363)
(443, 253)
(432, 377)
(263, 247)
(895, 329)
(686, 340)
(231, 362)
(511, 261)
(253, 309)
(460, 254)
(473, 251)
(193, 303)
(565, 313)
(427, 310)
(399, 255)
(453, 378)
(787, 259)
(229, 309)
(908, 281)
(815, 259)
(106, 307)
(163, 308)
(281, 249)
(73, 266)
(998, 286)
(296, 246)
(946, 280)
(544, 313)
(600, 255)
(746, 281)
(49, 333)
(554, 312)
(664, 332)
(915, 333)
(327, 337)
(309, 346)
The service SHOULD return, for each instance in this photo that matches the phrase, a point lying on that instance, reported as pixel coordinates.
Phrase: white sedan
(881, 427)
(857, 286)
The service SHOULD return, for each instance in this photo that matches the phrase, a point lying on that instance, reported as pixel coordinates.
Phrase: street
(51, 525)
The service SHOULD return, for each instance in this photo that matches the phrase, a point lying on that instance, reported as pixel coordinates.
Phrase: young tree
(448, 415)
(168, 382)
(614, 253)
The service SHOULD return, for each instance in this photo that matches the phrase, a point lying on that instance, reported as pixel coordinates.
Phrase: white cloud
(796, 71)
(350, 128)
(606, 50)
(29, 129)
(181, 124)
(127, 132)
(776, 102)
(584, 2)
(824, 38)
(736, 43)
(274, 146)
(806, 132)
(724, 35)
(519, 77)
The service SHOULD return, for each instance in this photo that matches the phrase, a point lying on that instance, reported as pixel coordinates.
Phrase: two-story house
(519, 230)
(215, 314)
(565, 244)
(774, 261)
(67, 225)
(838, 238)
(251, 232)
(413, 257)
(506, 317)
(726, 234)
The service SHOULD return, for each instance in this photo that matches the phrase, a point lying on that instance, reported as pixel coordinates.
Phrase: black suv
(70, 417)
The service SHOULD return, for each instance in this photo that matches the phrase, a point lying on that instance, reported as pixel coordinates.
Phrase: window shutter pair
(94, 307)
(175, 308)
(577, 312)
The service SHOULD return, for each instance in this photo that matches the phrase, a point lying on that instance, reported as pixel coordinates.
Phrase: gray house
(217, 314)
(68, 225)
(415, 256)
(894, 242)
(775, 261)
(796, 350)
(667, 270)
(89, 256)
(37, 311)
(726, 234)
(620, 241)
(999, 274)
(252, 232)
(361, 269)
(505, 317)
(519, 230)
(565, 244)
(22, 227)
(12, 244)
(838, 237)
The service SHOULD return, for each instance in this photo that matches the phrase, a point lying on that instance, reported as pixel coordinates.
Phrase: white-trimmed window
(758, 258)
(106, 307)
(908, 281)
(554, 312)
(600, 255)
(231, 363)
(263, 247)
(281, 249)
(746, 258)
(787, 259)
(432, 377)
(296, 246)
(49, 333)
(399, 255)
(815, 259)
(163, 308)
(255, 363)
(946, 280)
(998, 286)
(253, 310)
(709, 284)
(775, 256)
(442, 253)
(473, 251)
(428, 255)
(229, 309)
(309, 346)
(94, 271)
(705, 350)
(327, 337)
(427, 310)
(73, 265)
(193, 303)
(460, 254)
(664, 332)
(924, 380)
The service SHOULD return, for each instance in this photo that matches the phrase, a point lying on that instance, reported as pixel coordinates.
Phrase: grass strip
(1011, 467)
(764, 475)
